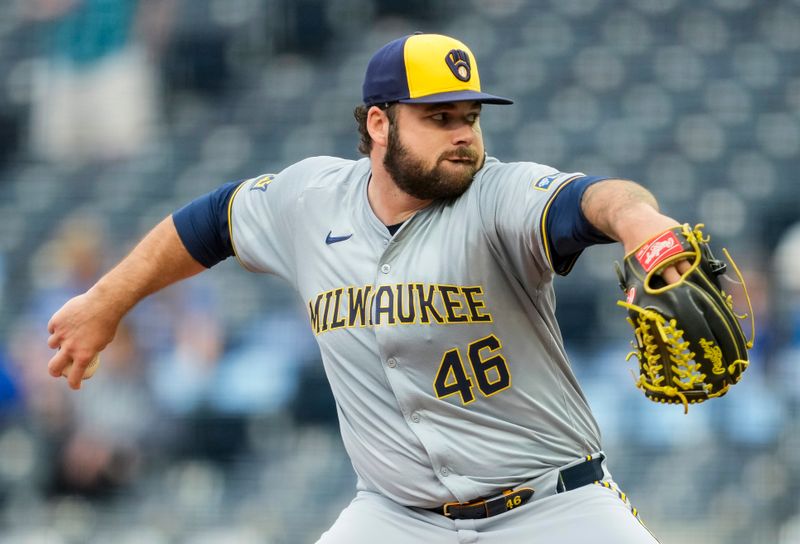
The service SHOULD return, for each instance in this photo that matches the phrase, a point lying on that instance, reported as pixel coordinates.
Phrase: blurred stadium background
(210, 420)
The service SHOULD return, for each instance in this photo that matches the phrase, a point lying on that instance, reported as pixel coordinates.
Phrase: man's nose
(463, 134)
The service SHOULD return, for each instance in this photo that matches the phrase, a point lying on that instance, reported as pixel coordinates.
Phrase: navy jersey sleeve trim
(203, 226)
(567, 231)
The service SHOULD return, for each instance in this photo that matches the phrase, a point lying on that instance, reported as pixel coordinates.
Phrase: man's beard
(413, 177)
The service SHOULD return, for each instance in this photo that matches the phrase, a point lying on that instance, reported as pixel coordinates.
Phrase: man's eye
(439, 117)
(472, 118)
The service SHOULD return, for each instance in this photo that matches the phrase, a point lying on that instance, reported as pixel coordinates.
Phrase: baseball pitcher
(426, 270)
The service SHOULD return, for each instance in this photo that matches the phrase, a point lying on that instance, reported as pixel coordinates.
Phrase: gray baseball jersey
(440, 342)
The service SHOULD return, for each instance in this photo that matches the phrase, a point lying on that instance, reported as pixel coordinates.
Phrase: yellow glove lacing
(686, 372)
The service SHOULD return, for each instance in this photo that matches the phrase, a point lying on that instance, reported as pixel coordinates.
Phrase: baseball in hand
(90, 369)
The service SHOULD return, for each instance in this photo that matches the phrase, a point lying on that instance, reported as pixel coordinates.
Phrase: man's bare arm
(88, 322)
(624, 211)
(628, 213)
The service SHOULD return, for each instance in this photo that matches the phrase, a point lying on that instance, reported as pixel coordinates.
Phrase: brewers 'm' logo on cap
(458, 62)
(410, 70)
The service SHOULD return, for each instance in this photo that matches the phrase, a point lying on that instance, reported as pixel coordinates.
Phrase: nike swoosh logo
(333, 239)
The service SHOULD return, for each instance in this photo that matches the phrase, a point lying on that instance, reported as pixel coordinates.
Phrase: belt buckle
(446, 507)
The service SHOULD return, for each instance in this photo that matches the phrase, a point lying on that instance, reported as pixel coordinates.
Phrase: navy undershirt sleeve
(203, 226)
(568, 230)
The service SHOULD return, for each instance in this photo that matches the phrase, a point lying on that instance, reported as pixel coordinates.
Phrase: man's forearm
(158, 260)
(624, 211)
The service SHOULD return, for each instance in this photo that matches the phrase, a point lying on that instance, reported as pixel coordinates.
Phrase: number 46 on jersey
(487, 366)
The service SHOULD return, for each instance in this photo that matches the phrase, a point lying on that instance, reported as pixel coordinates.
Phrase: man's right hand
(79, 331)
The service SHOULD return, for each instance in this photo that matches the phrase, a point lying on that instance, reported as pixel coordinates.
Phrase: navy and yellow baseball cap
(424, 69)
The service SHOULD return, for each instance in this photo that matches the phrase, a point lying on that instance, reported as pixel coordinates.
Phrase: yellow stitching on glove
(750, 342)
(687, 374)
(698, 232)
(652, 365)
(732, 368)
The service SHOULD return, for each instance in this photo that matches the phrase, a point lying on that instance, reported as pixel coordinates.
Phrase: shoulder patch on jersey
(544, 183)
(261, 182)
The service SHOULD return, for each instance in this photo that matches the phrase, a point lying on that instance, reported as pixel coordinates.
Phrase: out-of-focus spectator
(752, 413)
(261, 376)
(9, 389)
(183, 372)
(183, 338)
(70, 262)
(785, 264)
(44, 399)
(95, 91)
(195, 367)
(112, 422)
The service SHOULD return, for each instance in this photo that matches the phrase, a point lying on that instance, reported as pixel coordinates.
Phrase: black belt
(587, 472)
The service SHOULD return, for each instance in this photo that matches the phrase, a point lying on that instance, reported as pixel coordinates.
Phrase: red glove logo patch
(658, 249)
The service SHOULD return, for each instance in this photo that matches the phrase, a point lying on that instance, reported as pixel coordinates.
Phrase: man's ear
(378, 126)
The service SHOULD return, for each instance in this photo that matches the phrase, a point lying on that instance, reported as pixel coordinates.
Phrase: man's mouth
(462, 159)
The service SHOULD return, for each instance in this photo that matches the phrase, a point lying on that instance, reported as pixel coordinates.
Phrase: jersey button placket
(415, 417)
(386, 268)
(391, 362)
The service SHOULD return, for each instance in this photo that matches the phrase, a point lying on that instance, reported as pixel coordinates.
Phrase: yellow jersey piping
(544, 227)
(230, 225)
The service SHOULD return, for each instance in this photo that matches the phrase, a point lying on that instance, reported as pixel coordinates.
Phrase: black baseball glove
(689, 341)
